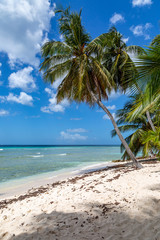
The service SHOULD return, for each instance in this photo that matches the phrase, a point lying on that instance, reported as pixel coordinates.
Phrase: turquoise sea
(17, 162)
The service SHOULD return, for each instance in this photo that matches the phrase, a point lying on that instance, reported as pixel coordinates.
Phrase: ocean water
(20, 162)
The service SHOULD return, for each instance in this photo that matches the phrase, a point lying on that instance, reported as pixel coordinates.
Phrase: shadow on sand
(97, 222)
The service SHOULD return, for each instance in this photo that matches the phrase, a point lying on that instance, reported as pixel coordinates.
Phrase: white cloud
(111, 107)
(99, 110)
(133, 57)
(113, 95)
(53, 106)
(77, 130)
(68, 136)
(24, 26)
(57, 83)
(61, 37)
(116, 18)
(141, 3)
(2, 98)
(23, 98)
(105, 117)
(3, 113)
(141, 30)
(22, 79)
(125, 40)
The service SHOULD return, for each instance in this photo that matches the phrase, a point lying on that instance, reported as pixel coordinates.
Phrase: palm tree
(116, 58)
(144, 103)
(152, 139)
(148, 68)
(79, 61)
(140, 127)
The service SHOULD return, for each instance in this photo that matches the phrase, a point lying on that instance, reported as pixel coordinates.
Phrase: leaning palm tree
(79, 61)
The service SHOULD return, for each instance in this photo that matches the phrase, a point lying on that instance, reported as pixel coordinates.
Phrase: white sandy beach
(114, 204)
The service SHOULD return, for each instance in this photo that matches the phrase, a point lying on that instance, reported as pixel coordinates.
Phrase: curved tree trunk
(150, 121)
(130, 153)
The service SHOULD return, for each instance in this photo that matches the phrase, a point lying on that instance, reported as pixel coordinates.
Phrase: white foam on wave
(36, 156)
(62, 154)
(1, 149)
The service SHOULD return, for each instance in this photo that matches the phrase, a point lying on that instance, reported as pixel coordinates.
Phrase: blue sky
(28, 110)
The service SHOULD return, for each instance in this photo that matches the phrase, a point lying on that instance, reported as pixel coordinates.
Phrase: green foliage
(138, 126)
(99, 65)
(76, 61)
(152, 138)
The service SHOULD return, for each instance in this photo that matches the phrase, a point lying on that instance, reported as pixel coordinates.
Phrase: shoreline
(116, 203)
(16, 187)
(33, 190)
(20, 186)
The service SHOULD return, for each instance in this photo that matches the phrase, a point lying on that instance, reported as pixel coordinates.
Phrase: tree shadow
(97, 221)
(155, 187)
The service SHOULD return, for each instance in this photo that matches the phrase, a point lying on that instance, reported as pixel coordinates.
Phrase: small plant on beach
(80, 62)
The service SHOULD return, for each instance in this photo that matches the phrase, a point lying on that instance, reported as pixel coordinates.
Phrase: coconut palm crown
(74, 60)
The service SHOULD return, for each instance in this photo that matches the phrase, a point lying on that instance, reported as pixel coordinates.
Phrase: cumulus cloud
(23, 28)
(73, 134)
(23, 98)
(105, 117)
(53, 106)
(141, 30)
(141, 3)
(22, 79)
(3, 113)
(116, 18)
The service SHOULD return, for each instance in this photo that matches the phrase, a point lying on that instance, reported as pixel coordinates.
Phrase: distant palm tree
(79, 61)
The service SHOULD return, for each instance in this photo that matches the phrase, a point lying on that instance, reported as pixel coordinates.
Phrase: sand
(114, 204)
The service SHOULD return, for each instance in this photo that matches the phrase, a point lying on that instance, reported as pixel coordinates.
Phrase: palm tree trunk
(150, 121)
(130, 153)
